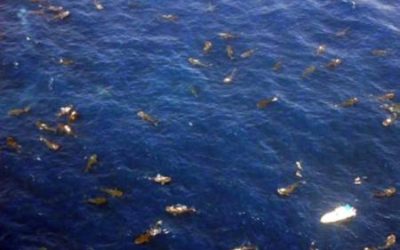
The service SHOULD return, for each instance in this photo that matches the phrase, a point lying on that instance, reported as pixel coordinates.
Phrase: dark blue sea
(226, 157)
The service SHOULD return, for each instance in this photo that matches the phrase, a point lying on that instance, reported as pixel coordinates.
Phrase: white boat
(340, 214)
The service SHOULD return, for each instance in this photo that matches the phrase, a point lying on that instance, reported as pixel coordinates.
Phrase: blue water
(226, 157)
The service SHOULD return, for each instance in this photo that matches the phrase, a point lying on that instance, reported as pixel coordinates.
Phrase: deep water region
(226, 155)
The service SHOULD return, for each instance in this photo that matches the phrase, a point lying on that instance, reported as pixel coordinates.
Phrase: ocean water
(226, 156)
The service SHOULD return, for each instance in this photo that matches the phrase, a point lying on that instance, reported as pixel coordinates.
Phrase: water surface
(226, 157)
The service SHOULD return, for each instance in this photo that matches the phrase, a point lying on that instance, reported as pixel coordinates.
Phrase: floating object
(179, 209)
(49, 144)
(113, 192)
(55, 9)
(65, 129)
(161, 179)
(308, 71)
(313, 246)
(98, 5)
(19, 112)
(334, 63)
(66, 110)
(287, 191)
(143, 238)
(389, 121)
(379, 52)
(97, 201)
(62, 15)
(299, 169)
(73, 116)
(70, 112)
(389, 242)
(246, 247)
(359, 180)
(197, 62)
(385, 193)
(149, 234)
(299, 166)
(349, 103)
(207, 47)
(195, 91)
(65, 61)
(93, 160)
(12, 144)
(148, 118)
(226, 35)
(394, 108)
(230, 77)
(230, 52)
(343, 33)
(263, 103)
(247, 54)
(320, 49)
(340, 214)
(169, 17)
(45, 127)
(388, 96)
